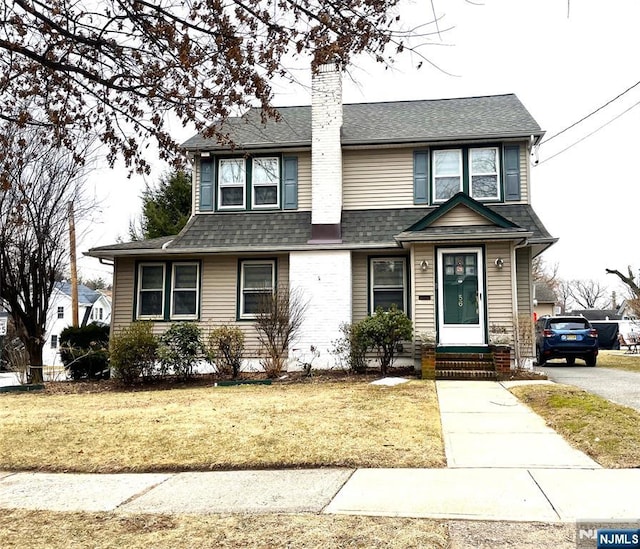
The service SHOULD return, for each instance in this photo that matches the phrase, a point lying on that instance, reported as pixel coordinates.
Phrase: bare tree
(633, 287)
(33, 231)
(588, 294)
(119, 67)
(543, 272)
(563, 292)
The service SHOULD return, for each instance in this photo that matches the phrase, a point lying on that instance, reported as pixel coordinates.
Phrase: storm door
(460, 297)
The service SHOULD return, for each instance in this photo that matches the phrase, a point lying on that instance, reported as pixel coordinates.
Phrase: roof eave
(422, 237)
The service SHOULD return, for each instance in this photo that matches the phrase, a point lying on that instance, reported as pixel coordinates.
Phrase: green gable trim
(464, 200)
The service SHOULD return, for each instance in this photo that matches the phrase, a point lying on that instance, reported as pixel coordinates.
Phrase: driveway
(615, 385)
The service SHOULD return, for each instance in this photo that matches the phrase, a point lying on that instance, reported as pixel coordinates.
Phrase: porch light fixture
(424, 264)
(499, 263)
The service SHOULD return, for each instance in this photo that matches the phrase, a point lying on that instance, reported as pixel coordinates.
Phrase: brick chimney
(326, 154)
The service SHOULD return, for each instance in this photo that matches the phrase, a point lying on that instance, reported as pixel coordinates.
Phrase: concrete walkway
(504, 464)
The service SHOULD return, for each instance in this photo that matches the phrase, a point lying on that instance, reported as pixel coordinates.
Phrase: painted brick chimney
(326, 154)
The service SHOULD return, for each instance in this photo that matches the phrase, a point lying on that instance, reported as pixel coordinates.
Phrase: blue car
(567, 337)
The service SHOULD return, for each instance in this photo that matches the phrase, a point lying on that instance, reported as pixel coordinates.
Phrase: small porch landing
(473, 364)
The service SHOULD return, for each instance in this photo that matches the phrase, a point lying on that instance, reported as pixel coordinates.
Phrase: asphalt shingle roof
(85, 294)
(495, 116)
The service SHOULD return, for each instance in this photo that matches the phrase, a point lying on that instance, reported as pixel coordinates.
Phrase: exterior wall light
(424, 264)
(499, 263)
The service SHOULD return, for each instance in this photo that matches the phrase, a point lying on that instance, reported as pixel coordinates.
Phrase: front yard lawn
(619, 360)
(603, 430)
(341, 424)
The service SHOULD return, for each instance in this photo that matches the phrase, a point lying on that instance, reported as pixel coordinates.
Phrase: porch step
(465, 366)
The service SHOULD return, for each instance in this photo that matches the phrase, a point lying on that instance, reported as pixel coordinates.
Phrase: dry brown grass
(620, 360)
(603, 430)
(350, 424)
(43, 529)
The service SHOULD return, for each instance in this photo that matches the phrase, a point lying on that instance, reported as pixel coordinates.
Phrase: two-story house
(422, 204)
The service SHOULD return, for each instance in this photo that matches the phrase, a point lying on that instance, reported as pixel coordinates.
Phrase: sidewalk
(504, 464)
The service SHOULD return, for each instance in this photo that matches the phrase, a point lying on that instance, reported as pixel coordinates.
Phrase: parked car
(567, 337)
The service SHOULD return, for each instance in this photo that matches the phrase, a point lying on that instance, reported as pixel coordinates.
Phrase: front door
(460, 297)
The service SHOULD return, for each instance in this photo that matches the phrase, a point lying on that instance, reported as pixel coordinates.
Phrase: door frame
(480, 250)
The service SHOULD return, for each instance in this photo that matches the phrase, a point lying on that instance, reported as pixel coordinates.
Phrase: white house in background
(93, 306)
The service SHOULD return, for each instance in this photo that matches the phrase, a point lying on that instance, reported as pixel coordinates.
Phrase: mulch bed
(209, 380)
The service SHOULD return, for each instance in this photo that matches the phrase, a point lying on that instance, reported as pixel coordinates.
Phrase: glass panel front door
(460, 297)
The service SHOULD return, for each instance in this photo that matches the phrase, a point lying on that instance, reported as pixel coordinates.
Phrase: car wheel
(590, 360)
(571, 360)
(539, 358)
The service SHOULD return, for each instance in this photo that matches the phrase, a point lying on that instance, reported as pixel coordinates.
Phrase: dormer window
(265, 182)
(231, 183)
(483, 173)
(447, 174)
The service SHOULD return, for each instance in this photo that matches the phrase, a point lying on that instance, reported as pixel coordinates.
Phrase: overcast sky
(563, 60)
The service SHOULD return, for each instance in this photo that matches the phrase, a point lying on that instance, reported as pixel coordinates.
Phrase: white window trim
(195, 264)
(139, 315)
(242, 185)
(244, 262)
(372, 286)
(254, 185)
(434, 176)
(60, 313)
(496, 173)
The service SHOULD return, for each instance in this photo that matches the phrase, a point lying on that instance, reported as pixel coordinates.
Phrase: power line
(591, 133)
(591, 114)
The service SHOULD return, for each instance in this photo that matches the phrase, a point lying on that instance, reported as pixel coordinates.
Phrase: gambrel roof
(468, 118)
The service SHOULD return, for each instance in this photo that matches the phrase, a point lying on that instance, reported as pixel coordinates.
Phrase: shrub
(84, 351)
(134, 351)
(351, 348)
(383, 331)
(181, 349)
(225, 347)
(278, 322)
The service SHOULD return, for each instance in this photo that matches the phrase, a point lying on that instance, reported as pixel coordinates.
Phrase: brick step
(464, 365)
(465, 356)
(466, 374)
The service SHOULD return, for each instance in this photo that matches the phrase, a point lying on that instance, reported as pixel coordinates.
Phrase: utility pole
(74, 267)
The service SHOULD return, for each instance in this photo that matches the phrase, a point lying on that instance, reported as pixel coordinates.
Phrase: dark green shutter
(420, 177)
(206, 185)
(512, 172)
(290, 182)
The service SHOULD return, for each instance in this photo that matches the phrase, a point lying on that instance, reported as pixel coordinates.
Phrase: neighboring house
(544, 300)
(422, 204)
(626, 311)
(90, 304)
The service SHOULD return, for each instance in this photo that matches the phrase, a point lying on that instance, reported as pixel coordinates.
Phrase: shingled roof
(488, 117)
(284, 231)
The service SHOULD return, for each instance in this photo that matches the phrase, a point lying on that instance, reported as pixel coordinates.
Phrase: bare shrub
(225, 347)
(278, 322)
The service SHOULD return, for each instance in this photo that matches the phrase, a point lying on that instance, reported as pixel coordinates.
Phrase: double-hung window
(151, 282)
(184, 290)
(483, 173)
(54, 341)
(231, 183)
(60, 312)
(257, 283)
(447, 173)
(265, 182)
(388, 283)
(168, 291)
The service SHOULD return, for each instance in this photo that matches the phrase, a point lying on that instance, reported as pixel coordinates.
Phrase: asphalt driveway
(615, 385)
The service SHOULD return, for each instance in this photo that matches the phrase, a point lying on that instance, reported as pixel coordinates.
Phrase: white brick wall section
(326, 149)
(324, 279)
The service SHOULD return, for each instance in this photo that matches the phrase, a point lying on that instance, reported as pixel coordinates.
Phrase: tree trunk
(34, 350)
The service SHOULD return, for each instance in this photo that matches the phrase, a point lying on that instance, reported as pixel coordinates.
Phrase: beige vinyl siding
(499, 287)
(380, 178)
(359, 285)
(524, 285)
(123, 294)
(304, 181)
(424, 311)
(218, 296)
(460, 216)
(524, 173)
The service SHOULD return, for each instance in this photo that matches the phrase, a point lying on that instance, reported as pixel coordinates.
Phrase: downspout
(514, 289)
